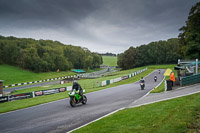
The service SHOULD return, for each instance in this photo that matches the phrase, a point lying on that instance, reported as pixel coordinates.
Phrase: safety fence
(40, 81)
(63, 89)
(190, 79)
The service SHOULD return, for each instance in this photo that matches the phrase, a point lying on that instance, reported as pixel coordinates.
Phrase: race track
(59, 116)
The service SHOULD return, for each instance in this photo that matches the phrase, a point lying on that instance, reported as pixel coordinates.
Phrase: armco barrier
(45, 80)
(190, 79)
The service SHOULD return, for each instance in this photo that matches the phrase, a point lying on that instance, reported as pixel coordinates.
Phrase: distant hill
(110, 60)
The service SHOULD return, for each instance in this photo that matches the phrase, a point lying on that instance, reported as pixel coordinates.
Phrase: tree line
(161, 52)
(186, 46)
(45, 55)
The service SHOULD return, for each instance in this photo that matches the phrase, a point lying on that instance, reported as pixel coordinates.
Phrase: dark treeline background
(161, 52)
(108, 54)
(45, 55)
(186, 46)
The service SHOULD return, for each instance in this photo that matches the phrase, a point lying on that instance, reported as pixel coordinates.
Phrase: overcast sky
(99, 25)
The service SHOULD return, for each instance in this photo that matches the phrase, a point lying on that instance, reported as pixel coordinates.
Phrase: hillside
(110, 60)
(12, 75)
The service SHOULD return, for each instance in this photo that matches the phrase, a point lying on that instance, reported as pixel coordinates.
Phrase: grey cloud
(100, 25)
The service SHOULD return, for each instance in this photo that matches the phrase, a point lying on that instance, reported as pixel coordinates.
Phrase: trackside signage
(51, 91)
(3, 99)
(20, 96)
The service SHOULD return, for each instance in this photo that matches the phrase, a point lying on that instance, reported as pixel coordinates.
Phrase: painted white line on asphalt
(165, 99)
(95, 120)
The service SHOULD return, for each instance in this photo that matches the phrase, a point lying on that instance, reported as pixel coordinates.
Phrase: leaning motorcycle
(76, 98)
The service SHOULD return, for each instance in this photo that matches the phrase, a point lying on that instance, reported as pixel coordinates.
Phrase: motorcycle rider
(142, 81)
(77, 87)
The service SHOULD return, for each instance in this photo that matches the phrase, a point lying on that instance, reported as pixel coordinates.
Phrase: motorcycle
(76, 98)
(155, 79)
(142, 86)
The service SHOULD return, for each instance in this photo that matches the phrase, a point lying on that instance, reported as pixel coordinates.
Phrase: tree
(190, 34)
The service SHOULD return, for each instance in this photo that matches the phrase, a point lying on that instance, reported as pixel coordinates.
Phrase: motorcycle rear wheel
(84, 101)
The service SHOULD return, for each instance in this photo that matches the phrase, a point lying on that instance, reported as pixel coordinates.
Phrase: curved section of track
(59, 116)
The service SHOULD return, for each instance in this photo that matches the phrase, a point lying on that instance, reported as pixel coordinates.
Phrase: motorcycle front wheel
(72, 102)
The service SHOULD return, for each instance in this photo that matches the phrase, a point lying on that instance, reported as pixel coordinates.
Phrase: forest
(45, 55)
(186, 46)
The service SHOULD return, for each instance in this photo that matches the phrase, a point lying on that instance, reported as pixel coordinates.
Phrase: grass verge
(172, 116)
(161, 87)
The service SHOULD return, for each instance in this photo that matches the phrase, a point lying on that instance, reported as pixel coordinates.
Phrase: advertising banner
(20, 96)
(62, 89)
(124, 77)
(69, 88)
(38, 93)
(51, 91)
(3, 99)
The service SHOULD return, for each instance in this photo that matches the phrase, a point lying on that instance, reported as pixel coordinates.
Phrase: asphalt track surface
(59, 116)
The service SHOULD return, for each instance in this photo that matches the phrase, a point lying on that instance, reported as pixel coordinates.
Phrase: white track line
(165, 99)
(95, 120)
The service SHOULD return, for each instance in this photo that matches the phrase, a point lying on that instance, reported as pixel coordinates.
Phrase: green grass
(160, 88)
(14, 75)
(173, 116)
(110, 60)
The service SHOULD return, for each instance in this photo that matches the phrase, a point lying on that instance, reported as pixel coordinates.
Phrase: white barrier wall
(111, 81)
(103, 83)
(69, 88)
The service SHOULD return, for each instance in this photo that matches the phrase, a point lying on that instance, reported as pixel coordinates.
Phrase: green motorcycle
(76, 98)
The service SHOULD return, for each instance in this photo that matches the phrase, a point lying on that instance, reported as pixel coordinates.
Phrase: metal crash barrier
(193, 79)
